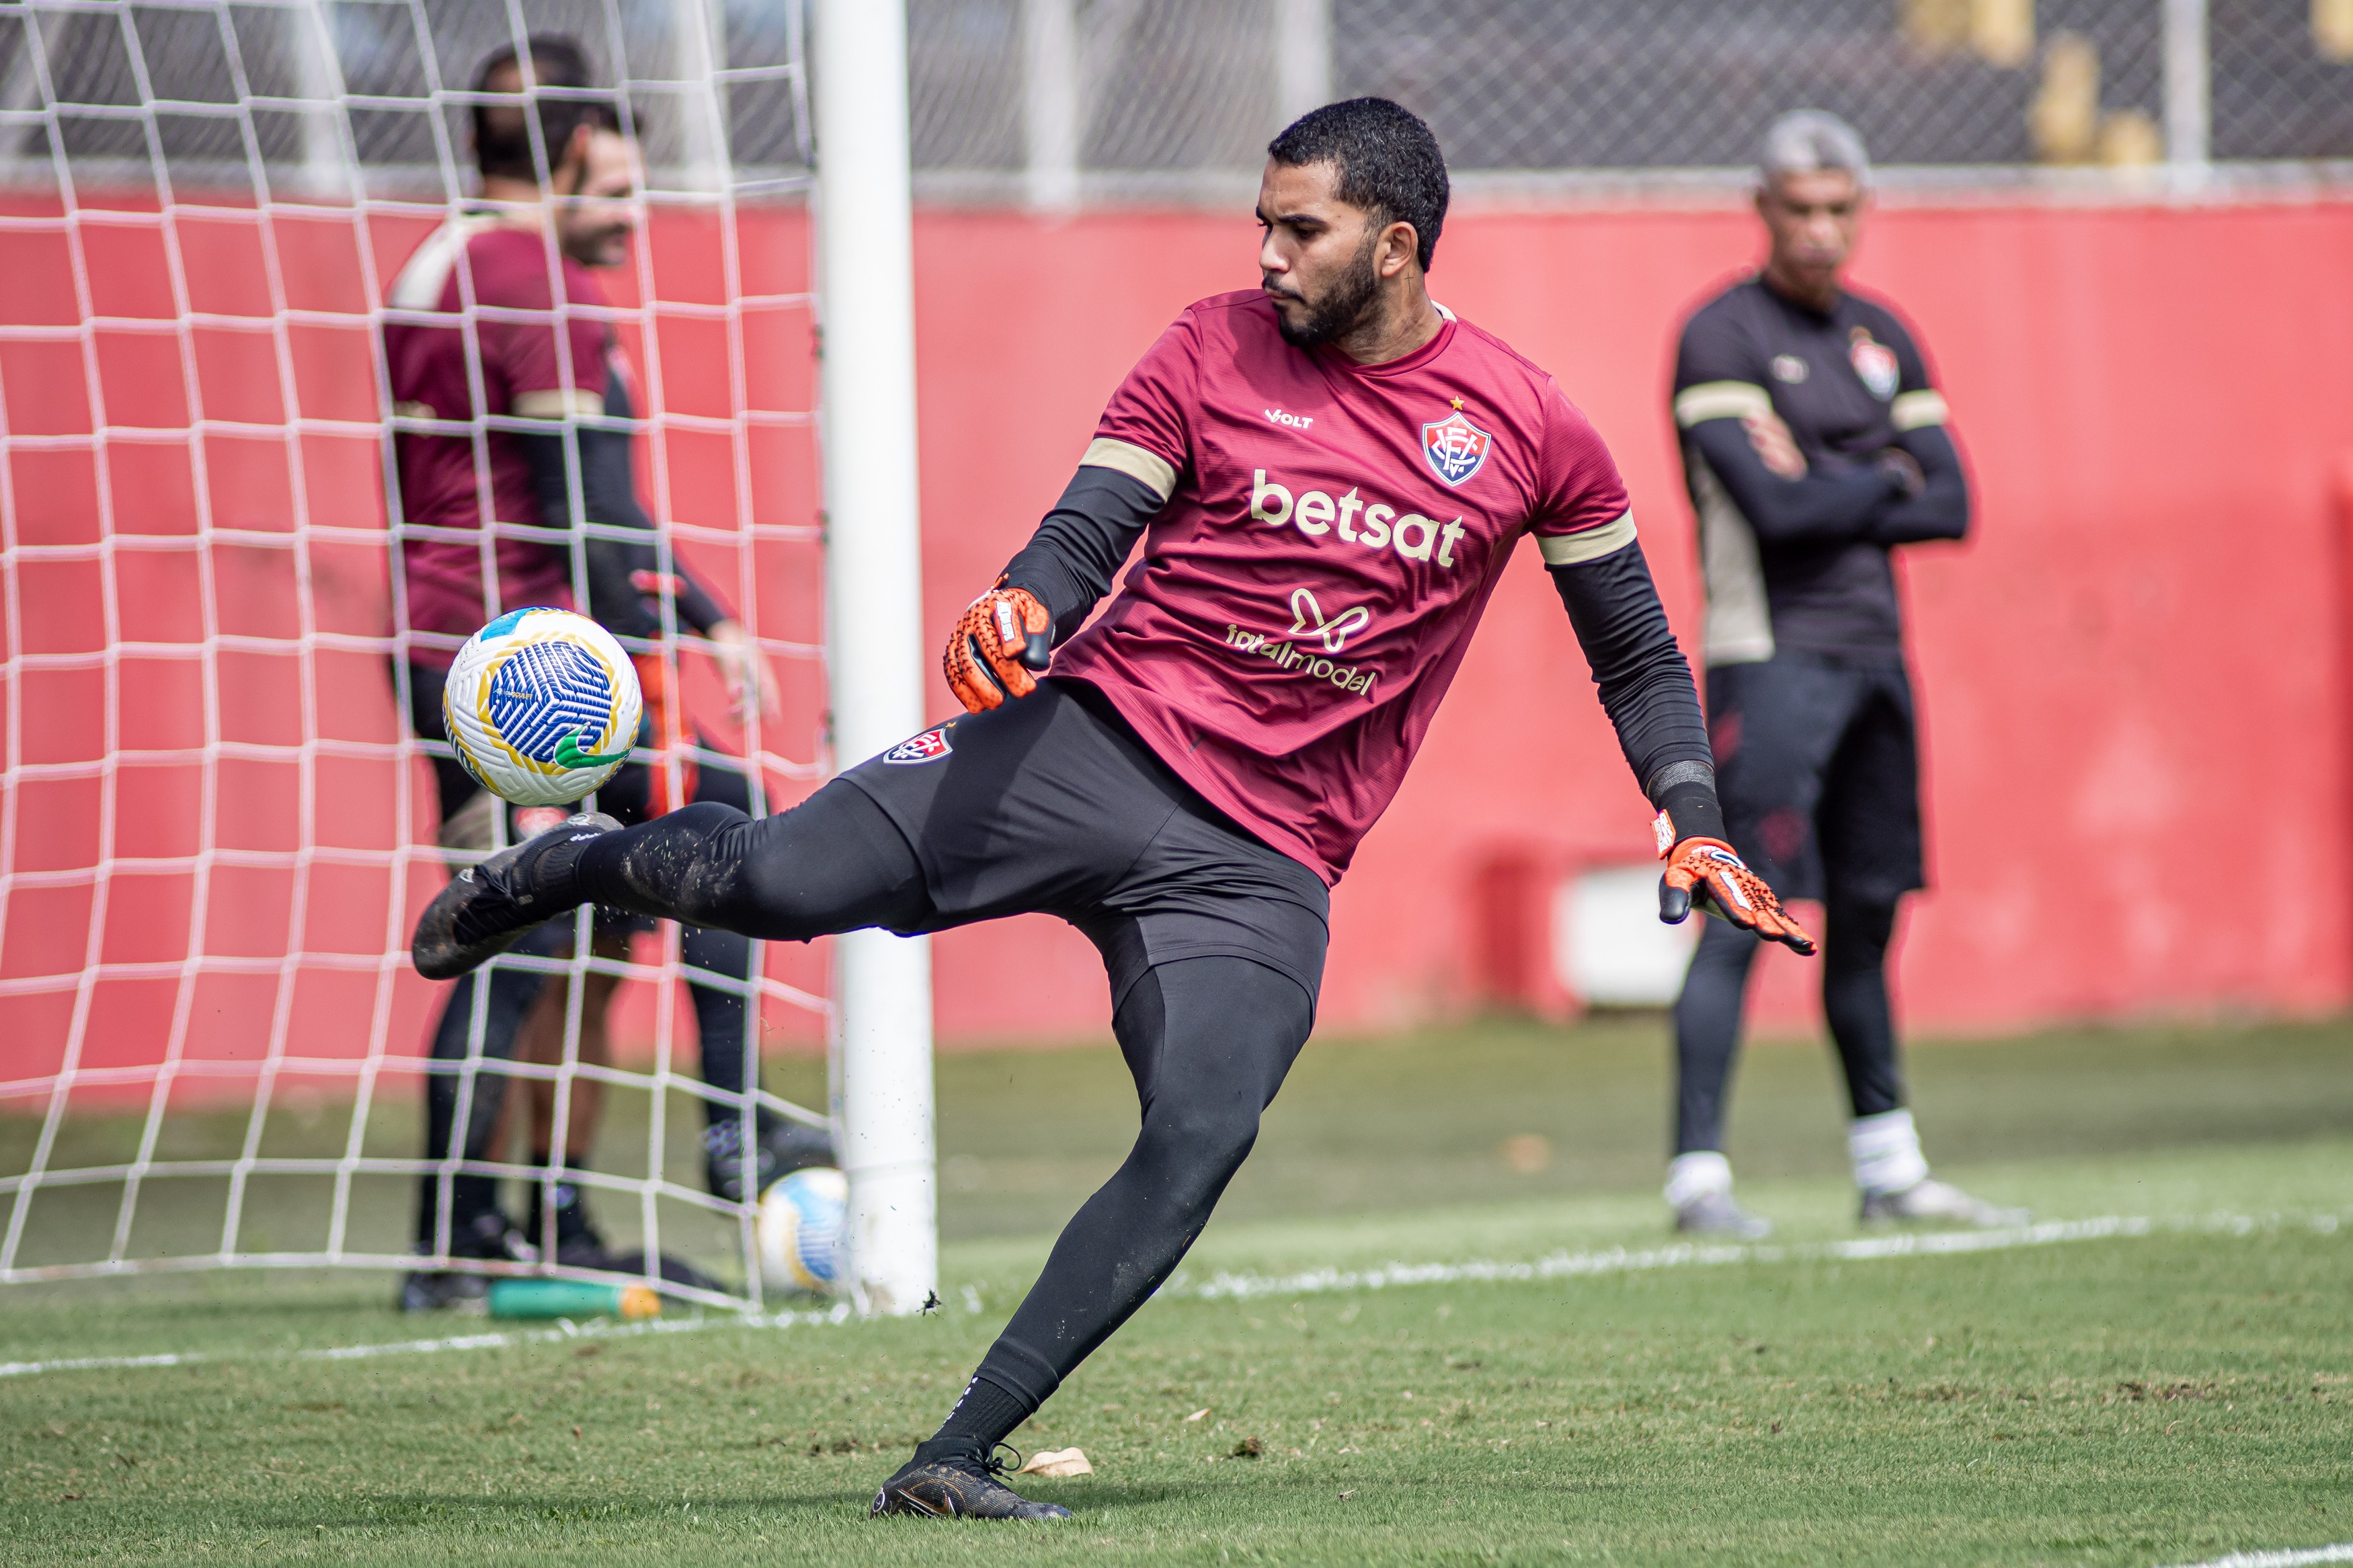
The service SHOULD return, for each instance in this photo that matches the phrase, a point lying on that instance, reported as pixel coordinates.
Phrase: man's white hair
(1811, 141)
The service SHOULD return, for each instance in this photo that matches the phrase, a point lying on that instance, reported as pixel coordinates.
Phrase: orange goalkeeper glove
(1000, 637)
(1706, 872)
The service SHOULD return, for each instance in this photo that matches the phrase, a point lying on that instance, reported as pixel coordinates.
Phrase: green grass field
(2137, 1399)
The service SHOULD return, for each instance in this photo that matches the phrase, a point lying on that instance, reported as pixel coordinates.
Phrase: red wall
(2131, 676)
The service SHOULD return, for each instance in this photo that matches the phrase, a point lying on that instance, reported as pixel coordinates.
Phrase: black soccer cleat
(785, 1146)
(487, 906)
(959, 1486)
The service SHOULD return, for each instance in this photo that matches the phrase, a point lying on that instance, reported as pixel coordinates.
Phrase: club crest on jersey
(1874, 361)
(928, 747)
(1456, 447)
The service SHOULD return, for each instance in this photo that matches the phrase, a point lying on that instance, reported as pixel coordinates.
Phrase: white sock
(1694, 1176)
(1887, 1151)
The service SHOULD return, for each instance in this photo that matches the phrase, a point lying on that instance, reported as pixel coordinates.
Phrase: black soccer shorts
(1817, 764)
(1051, 805)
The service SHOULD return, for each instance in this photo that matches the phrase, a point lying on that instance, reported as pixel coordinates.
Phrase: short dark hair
(501, 134)
(1390, 162)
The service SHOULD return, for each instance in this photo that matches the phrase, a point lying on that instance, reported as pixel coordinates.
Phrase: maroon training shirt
(1332, 534)
(474, 261)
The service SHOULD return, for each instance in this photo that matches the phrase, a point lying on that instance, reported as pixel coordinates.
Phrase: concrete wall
(2132, 676)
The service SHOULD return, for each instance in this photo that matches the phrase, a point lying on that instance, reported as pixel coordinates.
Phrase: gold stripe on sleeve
(1592, 545)
(1914, 410)
(1127, 457)
(555, 402)
(1721, 399)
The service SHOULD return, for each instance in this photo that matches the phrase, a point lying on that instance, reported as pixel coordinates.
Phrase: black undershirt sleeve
(1068, 564)
(1819, 509)
(1941, 510)
(1645, 685)
(609, 496)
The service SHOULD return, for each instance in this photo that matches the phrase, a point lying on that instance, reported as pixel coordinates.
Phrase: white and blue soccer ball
(798, 1231)
(542, 707)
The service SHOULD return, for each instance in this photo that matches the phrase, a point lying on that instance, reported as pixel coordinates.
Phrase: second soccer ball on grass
(798, 1230)
(541, 706)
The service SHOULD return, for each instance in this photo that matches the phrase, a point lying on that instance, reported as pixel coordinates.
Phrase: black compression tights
(1854, 1000)
(1207, 1039)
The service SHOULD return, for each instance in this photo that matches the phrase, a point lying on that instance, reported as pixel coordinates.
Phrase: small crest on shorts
(928, 747)
(1874, 361)
(1456, 447)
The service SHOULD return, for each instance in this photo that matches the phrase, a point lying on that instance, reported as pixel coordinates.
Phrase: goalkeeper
(1199, 769)
(499, 258)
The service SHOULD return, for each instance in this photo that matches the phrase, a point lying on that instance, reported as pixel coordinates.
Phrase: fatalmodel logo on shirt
(1456, 447)
(1307, 619)
(1292, 660)
(928, 747)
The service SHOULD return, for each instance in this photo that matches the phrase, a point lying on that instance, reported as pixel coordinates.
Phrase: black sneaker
(440, 1290)
(785, 1146)
(491, 1235)
(485, 908)
(959, 1486)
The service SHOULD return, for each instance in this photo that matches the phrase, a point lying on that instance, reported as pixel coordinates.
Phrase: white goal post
(882, 1042)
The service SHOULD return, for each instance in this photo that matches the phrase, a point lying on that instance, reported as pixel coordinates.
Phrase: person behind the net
(494, 260)
(1328, 474)
(1814, 445)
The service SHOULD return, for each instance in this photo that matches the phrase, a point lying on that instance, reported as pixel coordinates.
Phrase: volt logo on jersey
(1456, 447)
(928, 747)
(1307, 619)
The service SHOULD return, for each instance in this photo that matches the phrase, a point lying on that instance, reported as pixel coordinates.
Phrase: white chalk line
(1619, 1260)
(565, 1329)
(2341, 1552)
(1231, 1285)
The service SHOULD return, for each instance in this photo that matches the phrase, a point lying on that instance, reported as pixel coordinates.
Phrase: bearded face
(1317, 310)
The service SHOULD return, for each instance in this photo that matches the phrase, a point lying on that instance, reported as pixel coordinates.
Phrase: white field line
(1226, 1286)
(595, 1329)
(2341, 1553)
(1619, 1260)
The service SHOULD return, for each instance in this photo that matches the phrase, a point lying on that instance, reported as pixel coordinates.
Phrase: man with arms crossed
(1329, 474)
(1814, 444)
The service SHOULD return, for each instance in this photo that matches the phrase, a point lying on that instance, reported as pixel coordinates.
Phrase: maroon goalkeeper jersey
(1331, 535)
(525, 372)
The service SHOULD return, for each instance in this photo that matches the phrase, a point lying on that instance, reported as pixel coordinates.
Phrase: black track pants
(1854, 1000)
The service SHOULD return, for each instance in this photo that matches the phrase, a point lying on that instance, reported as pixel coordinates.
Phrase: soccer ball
(541, 706)
(798, 1230)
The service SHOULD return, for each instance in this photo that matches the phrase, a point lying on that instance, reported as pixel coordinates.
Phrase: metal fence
(1063, 97)
(1056, 102)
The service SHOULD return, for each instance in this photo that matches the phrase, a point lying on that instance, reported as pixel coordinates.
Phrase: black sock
(983, 1417)
(571, 1221)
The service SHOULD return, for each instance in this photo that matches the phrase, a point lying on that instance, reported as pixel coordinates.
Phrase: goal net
(217, 826)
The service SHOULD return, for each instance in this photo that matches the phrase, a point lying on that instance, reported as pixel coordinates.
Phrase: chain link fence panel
(1033, 99)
